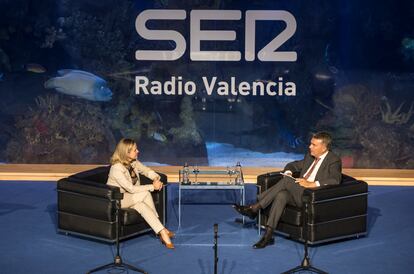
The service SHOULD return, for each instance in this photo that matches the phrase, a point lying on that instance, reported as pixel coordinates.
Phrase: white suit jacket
(119, 176)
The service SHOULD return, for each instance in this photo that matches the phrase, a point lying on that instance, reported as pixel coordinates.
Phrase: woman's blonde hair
(122, 149)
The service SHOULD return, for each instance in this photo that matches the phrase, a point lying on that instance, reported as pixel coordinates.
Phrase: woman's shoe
(167, 245)
(171, 234)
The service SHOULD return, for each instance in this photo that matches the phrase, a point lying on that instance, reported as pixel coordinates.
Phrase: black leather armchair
(334, 211)
(86, 206)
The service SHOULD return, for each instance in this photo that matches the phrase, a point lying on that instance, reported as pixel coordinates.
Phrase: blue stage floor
(30, 244)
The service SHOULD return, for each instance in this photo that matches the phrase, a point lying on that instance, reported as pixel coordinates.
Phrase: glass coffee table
(211, 180)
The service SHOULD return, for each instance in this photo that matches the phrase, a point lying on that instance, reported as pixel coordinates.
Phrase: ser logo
(197, 35)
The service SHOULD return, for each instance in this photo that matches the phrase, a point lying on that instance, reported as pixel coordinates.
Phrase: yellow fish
(36, 68)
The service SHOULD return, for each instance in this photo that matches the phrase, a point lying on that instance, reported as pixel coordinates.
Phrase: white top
(119, 176)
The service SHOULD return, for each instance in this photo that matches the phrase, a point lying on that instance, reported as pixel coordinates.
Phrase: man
(319, 167)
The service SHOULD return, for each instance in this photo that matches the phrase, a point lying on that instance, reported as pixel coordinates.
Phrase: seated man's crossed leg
(286, 191)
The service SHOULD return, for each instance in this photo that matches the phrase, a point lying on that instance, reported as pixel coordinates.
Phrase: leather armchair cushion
(292, 215)
(86, 205)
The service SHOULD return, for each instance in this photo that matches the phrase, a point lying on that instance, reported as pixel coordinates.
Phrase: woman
(124, 174)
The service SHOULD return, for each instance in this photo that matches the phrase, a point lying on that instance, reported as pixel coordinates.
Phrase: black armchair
(334, 212)
(86, 207)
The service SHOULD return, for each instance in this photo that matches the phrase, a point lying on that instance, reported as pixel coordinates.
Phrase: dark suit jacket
(329, 172)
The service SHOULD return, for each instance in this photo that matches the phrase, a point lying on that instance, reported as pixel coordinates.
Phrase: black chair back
(98, 175)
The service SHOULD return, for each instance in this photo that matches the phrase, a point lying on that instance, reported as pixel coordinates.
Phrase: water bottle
(186, 174)
(239, 176)
(196, 171)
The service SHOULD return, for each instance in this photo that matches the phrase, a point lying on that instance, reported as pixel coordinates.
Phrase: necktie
(306, 176)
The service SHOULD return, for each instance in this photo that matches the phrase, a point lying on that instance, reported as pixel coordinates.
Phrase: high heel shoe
(167, 245)
(170, 234)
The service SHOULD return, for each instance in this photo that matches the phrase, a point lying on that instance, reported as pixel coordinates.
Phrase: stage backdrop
(206, 82)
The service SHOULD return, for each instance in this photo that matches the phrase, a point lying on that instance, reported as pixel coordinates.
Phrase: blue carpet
(30, 244)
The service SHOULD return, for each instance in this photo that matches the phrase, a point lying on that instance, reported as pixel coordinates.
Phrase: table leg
(259, 216)
(243, 201)
(179, 207)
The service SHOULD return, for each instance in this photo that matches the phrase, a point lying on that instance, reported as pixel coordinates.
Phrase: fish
(1, 76)
(284, 136)
(263, 80)
(129, 72)
(159, 137)
(323, 104)
(36, 68)
(290, 139)
(81, 84)
(322, 76)
(333, 69)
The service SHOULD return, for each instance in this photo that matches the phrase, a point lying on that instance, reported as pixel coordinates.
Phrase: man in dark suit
(319, 167)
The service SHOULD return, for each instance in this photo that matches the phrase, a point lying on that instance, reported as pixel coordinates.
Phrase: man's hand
(306, 184)
(157, 184)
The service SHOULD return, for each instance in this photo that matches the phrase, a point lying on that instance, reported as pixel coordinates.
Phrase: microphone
(215, 248)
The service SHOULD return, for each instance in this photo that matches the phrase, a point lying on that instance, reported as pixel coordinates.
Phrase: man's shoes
(263, 242)
(266, 240)
(245, 211)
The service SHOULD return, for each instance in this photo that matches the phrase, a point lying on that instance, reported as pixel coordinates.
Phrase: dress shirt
(311, 178)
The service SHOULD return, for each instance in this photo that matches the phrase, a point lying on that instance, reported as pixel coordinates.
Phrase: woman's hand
(157, 184)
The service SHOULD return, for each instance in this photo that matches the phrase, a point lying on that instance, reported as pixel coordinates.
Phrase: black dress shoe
(245, 211)
(263, 242)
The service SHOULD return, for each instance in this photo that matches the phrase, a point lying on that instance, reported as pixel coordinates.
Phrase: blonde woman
(124, 174)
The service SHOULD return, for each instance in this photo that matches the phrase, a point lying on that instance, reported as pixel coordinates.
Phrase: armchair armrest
(146, 181)
(267, 180)
(332, 192)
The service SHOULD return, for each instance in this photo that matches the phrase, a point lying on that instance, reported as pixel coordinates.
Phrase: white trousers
(144, 204)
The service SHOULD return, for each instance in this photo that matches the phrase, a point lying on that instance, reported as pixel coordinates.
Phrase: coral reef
(52, 35)
(169, 139)
(407, 48)
(187, 133)
(61, 131)
(396, 117)
(368, 133)
(130, 120)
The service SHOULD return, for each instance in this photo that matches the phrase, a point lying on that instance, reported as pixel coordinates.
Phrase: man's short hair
(325, 137)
